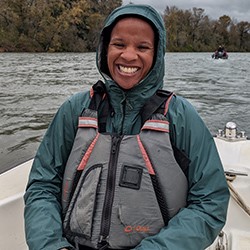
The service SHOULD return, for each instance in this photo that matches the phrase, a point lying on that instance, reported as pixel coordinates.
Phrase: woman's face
(130, 51)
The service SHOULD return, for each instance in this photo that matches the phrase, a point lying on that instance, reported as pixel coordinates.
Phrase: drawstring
(236, 195)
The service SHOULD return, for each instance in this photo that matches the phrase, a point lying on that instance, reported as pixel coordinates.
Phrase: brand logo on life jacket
(138, 228)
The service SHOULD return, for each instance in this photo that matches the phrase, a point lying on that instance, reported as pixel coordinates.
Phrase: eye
(118, 45)
(144, 48)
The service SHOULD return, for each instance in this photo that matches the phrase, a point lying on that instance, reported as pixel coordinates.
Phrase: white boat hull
(235, 155)
(12, 187)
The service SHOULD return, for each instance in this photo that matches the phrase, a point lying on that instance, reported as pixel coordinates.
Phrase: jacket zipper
(123, 112)
(110, 190)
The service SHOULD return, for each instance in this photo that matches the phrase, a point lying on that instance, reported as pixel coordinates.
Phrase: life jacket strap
(99, 97)
(98, 93)
(155, 103)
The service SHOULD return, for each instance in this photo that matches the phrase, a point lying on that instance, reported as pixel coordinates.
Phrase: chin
(126, 84)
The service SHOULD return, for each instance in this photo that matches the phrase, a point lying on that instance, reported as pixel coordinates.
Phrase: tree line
(74, 26)
(193, 30)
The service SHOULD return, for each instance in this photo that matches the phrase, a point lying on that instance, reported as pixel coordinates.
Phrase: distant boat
(220, 55)
(234, 151)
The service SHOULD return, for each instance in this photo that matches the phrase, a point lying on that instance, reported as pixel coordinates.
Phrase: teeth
(128, 70)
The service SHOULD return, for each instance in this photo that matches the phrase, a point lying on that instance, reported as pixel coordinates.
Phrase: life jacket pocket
(135, 212)
(79, 217)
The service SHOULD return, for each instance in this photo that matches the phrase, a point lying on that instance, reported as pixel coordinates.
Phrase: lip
(127, 70)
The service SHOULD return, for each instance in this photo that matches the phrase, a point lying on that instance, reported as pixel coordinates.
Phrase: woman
(156, 206)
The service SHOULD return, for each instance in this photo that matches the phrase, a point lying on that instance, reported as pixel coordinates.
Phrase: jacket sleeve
(197, 225)
(43, 223)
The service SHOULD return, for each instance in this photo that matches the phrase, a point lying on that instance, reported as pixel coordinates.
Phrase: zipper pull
(114, 144)
(102, 243)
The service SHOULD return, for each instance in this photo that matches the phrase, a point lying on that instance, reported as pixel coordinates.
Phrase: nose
(129, 54)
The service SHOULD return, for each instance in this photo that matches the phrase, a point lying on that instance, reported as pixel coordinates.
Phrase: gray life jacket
(119, 189)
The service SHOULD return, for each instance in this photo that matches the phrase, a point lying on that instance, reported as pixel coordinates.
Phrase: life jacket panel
(171, 178)
(80, 146)
(118, 190)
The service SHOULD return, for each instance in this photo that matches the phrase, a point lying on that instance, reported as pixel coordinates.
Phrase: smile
(128, 70)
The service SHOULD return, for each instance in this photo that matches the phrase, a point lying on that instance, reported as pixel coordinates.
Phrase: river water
(33, 86)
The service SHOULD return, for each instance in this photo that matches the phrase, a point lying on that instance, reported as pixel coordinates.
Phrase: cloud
(238, 10)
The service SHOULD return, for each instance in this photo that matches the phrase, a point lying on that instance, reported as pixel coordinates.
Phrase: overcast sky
(238, 10)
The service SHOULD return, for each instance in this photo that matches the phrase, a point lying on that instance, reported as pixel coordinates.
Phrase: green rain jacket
(195, 226)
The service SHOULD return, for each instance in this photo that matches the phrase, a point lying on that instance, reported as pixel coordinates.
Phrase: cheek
(110, 59)
(149, 61)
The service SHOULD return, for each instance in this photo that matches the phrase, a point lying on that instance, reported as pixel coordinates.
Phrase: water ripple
(33, 86)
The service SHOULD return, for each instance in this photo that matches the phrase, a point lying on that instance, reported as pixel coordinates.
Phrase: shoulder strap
(99, 97)
(98, 93)
(155, 103)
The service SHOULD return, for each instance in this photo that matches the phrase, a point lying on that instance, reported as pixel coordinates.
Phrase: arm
(43, 222)
(197, 225)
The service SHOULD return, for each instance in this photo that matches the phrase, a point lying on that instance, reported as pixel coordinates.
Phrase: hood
(154, 79)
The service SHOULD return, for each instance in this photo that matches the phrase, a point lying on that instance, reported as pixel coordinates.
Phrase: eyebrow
(117, 39)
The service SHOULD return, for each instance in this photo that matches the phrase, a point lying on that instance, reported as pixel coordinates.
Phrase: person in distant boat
(220, 49)
(220, 52)
(126, 165)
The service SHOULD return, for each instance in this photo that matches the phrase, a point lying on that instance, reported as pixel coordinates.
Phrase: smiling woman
(126, 165)
(130, 51)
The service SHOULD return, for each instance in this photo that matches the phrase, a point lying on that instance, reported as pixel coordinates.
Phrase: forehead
(132, 22)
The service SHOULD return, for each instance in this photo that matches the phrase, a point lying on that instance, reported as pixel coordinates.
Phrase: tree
(244, 36)
(13, 22)
(221, 29)
(176, 22)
